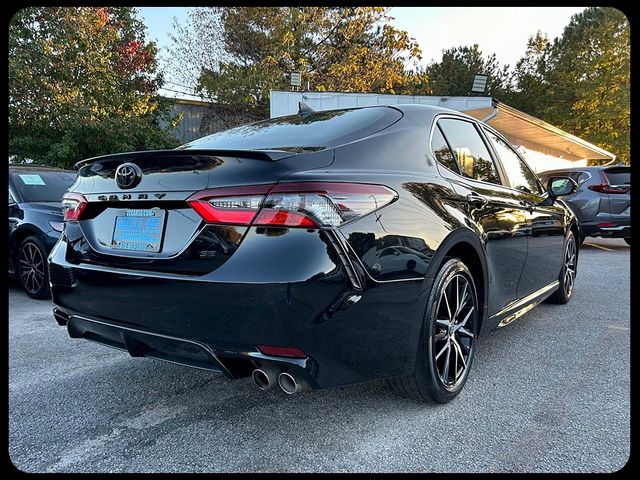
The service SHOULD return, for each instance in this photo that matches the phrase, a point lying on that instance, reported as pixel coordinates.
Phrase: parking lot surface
(548, 393)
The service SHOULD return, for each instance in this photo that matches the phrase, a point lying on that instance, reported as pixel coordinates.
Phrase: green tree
(453, 75)
(82, 82)
(588, 79)
(530, 85)
(351, 49)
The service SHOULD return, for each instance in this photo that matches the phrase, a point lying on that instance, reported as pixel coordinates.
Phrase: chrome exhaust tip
(290, 385)
(265, 377)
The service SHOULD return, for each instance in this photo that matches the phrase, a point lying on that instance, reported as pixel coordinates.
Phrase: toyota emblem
(128, 175)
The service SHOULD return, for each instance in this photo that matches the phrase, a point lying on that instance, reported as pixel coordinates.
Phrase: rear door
(546, 238)
(502, 220)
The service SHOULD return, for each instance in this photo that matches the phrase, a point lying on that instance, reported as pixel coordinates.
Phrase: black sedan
(35, 222)
(315, 250)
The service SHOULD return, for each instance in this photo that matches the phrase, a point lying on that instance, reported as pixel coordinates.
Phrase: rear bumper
(349, 335)
(620, 229)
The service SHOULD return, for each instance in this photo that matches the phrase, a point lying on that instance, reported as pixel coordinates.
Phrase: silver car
(602, 202)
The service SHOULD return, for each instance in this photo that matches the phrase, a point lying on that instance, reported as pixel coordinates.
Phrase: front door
(547, 228)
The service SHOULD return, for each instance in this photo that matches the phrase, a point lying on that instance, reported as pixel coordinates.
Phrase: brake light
(606, 187)
(230, 206)
(304, 205)
(73, 204)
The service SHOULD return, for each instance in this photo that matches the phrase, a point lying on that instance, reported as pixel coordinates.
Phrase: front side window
(471, 153)
(519, 175)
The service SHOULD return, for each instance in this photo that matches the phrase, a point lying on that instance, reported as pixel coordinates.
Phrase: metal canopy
(533, 133)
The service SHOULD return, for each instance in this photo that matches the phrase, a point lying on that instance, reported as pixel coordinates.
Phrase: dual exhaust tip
(269, 376)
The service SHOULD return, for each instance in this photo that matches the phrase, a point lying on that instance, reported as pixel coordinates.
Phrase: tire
(567, 275)
(32, 269)
(435, 349)
(628, 240)
(581, 239)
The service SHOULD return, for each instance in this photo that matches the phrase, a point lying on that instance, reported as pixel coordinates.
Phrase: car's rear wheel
(31, 266)
(628, 240)
(567, 275)
(447, 343)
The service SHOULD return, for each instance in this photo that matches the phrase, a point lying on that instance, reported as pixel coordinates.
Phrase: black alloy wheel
(32, 268)
(447, 346)
(567, 278)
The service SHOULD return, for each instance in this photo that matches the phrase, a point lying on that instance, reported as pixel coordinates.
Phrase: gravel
(549, 393)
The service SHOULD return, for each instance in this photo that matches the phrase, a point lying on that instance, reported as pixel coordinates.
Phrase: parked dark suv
(318, 249)
(35, 222)
(602, 202)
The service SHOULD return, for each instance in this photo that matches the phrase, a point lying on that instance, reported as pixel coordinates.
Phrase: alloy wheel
(31, 267)
(455, 329)
(569, 266)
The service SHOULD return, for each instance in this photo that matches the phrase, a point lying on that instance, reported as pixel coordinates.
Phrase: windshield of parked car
(42, 186)
(300, 133)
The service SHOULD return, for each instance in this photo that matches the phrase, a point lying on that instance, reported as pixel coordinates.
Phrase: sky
(500, 30)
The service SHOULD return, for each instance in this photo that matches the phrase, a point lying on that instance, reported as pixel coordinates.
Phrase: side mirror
(560, 186)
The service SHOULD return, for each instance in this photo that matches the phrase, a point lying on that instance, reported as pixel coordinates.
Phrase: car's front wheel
(32, 267)
(447, 343)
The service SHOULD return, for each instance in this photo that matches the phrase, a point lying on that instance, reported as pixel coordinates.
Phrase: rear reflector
(606, 225)
(73, 204)
(282, 351)
(303, 205)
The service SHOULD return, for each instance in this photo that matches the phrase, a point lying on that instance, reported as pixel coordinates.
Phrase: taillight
(606, 187)
(304, 205)
(73, 204)
(231, 206)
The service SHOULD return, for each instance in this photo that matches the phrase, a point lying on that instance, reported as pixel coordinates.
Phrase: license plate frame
(139, 230)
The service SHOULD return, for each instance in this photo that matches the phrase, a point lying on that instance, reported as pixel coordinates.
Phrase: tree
(588, 79)
(82, 82)
(530, 89)
(351, 49)
(453, 75)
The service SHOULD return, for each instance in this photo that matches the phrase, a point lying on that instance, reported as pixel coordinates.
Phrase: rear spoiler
(268, 155)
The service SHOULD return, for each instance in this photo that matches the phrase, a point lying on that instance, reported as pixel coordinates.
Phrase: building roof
(531, 132)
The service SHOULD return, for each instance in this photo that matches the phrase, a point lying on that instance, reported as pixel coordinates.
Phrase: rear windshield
(42, 186)
(314, 131)
(619, 176)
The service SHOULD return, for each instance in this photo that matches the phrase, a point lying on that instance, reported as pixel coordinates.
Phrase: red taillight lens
(282, 351)
(304, 205)
(606, 187)
(230, 206)
(73, 204)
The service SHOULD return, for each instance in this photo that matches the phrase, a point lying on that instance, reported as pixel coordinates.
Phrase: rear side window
(470, 152)
(442, 151)
(618, 176)
(520, 176)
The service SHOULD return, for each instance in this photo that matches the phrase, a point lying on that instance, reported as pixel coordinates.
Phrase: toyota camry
(315, 250)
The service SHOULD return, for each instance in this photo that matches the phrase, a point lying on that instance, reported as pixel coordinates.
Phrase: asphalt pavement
(548, 393)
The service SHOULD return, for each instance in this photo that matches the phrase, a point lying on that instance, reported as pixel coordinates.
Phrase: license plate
(138, 230)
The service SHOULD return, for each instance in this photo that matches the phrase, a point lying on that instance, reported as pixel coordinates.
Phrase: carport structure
(544, 146)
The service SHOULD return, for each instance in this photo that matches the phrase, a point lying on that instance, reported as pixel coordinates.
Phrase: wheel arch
(22, 232)
(466, 246)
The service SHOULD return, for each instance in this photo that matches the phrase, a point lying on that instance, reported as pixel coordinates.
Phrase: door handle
(527, 204)
(476, 199)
